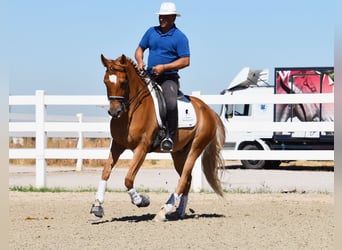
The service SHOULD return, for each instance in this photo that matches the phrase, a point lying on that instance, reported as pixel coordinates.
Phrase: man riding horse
(135, 125)
(168, 52)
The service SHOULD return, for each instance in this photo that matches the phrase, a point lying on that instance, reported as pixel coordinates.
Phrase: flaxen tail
(212, 159)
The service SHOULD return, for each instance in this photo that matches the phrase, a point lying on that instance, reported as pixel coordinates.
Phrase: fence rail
(41, 128)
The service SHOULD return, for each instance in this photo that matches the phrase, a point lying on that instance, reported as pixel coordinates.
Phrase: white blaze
(112, 78)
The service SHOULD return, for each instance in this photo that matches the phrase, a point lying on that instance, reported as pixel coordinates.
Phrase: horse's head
(116, 81)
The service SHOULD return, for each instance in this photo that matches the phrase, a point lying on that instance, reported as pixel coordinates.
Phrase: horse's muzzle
(116, 113)
(116, 109)
(116, 106)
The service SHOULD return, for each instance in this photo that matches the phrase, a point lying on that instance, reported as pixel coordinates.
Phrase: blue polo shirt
(164, 48)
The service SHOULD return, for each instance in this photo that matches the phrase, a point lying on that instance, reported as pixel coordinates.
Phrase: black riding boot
(172, 125)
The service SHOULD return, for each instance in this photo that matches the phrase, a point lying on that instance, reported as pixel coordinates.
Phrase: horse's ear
(123, 59)
(104, 60)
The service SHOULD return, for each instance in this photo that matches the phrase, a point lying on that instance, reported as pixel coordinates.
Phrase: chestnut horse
(134, 126)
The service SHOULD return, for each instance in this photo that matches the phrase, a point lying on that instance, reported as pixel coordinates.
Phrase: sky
(56, 45)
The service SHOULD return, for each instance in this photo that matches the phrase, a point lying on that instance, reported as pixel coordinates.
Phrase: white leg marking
(101, 191)
(135, 197)
(171, 203)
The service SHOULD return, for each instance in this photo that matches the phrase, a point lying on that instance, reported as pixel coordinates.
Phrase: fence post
(41, 139)
(197, 175)
(79, 163)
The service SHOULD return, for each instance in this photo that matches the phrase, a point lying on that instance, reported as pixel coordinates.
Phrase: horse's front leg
(114, 154)
(138, 159)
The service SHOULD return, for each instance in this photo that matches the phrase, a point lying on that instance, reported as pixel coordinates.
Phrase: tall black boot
(172, 125)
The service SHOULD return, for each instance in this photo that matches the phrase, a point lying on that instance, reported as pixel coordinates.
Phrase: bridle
(122, 99)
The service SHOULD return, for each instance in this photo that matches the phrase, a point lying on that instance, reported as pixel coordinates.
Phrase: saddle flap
(186, 113)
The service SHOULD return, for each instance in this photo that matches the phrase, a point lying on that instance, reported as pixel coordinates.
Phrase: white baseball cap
(168, 8)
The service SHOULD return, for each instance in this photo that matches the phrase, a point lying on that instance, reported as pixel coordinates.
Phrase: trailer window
(229, 111)
(237, 110)
(241, 110)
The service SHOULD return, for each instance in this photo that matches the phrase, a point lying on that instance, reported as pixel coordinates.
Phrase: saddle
(186, 112)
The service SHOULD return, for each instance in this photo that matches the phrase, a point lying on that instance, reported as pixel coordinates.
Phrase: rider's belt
(162, 78)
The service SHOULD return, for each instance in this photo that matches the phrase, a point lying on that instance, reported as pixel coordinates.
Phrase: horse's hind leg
(96, 208)
(179, 159)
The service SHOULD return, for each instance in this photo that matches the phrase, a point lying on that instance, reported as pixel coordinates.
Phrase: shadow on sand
(149, 217)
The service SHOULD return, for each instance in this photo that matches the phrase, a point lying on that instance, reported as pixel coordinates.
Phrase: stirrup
(166, 145)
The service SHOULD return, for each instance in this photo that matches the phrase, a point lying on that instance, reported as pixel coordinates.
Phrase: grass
(61, 190)
(248, 191)
(263, 189)
(47, 190)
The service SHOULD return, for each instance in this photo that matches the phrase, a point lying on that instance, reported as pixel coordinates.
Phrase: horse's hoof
(97, 211)
(145, 201)
(160, 216)
(175, 216)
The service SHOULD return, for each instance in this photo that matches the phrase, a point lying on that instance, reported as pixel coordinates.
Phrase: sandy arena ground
(240, 221)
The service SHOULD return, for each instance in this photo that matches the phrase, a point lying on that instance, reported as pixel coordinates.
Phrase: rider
(168, 52)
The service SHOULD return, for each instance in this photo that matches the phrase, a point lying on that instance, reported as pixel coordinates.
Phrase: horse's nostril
(115, 113)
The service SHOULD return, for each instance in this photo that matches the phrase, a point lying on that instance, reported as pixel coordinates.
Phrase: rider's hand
(158, 69)
(141, 66)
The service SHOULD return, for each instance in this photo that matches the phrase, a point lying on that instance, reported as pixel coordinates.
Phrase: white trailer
(286, 81)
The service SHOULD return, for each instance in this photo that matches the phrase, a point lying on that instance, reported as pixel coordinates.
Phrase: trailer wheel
(252, 164)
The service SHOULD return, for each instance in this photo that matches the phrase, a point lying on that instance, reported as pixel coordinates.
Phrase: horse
(133, 126)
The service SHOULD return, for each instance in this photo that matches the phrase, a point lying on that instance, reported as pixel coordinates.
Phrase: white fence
(41, 127)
